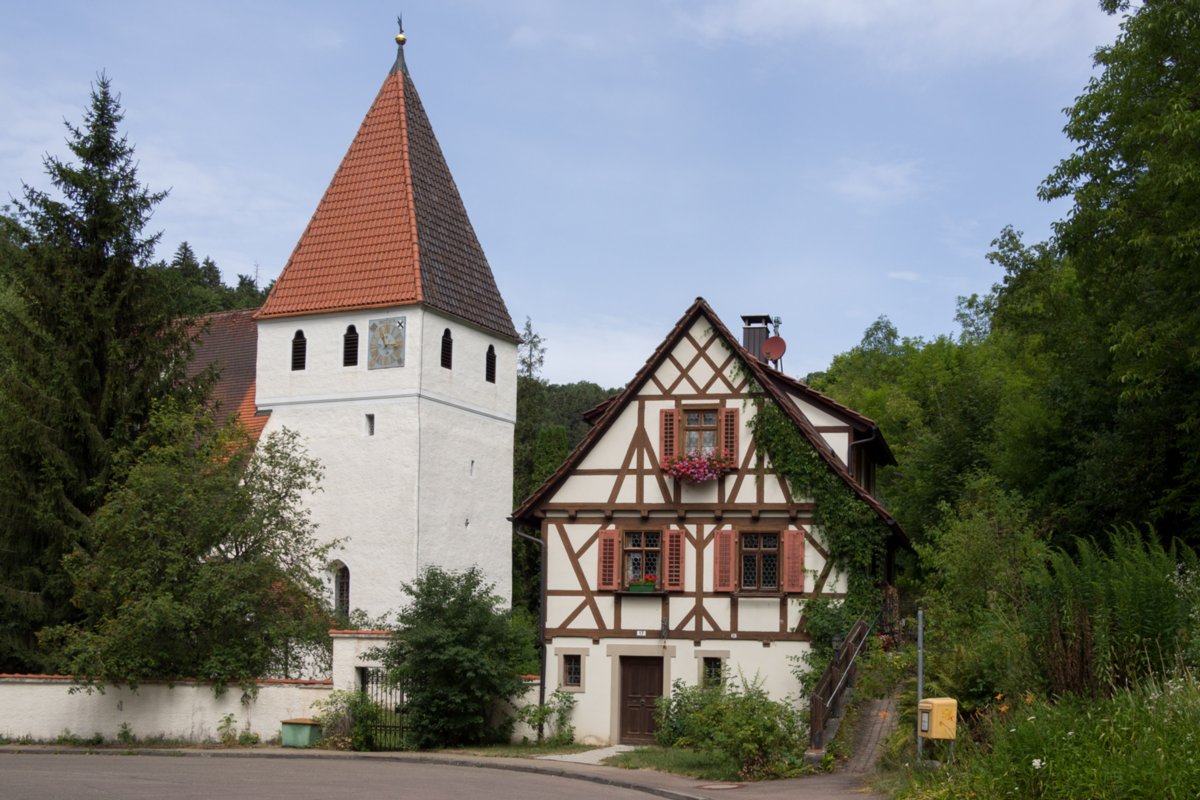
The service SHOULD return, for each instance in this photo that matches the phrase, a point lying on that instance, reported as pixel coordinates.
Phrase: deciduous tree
(202, 562)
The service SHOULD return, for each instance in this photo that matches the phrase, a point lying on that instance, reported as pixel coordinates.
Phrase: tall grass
(1103, 620)
(1141, 743)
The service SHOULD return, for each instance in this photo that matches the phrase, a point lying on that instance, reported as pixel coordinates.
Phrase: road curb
(411, 758)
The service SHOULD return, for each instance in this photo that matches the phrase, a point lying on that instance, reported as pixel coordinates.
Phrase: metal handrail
(820, 705)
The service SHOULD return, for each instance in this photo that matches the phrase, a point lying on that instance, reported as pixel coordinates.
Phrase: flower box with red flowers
(697, 467)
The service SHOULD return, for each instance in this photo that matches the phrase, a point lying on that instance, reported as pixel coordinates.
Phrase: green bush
(459, 654)
(881, 671)
(346, 717)
(765, 737)
(227, 730)
(559, 708)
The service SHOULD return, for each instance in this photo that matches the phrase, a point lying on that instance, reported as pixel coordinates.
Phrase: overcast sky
(825, 162)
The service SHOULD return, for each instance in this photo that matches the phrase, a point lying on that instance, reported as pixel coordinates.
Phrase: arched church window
(489, 365)
(299, 350)
(447, 349)
(350, 347)
(341, 590)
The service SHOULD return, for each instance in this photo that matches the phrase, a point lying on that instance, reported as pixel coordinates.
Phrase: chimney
(754, 333)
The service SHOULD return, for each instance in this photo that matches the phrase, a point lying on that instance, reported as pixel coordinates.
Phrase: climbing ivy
(852, 532)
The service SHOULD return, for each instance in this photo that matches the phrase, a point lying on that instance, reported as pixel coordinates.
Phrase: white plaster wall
(350, 649)
(595, 710)
(584, 489)
(759, 614)
(464, 381)
(817, 416)
(609, 452)
(369, 491)
(43, 708)
(666, 373)
(465, 493)
(402, 497)
(323, 375)
(840, 443)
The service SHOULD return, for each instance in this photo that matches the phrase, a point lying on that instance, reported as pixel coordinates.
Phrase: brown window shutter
(668, 429)
(793, 561)
(673, 560)
(724, 560)
(610, 558)
(729, 431)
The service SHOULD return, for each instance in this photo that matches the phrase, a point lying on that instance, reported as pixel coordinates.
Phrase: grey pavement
(593, 756)
(876, 721)
(836, 786)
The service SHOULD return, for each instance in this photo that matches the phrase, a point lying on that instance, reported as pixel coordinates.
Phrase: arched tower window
(350, 347)
(299, 350)
(341, 590)
(447, 350)
(489, 365)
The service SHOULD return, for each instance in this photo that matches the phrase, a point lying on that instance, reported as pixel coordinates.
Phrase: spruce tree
(86, 344)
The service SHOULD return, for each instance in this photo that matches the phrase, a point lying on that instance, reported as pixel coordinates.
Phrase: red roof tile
(391, 229)
(228, 341)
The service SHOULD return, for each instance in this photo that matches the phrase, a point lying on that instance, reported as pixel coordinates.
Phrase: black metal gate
(385, 731)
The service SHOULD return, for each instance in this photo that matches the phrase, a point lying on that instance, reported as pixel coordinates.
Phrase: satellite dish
(774, 348)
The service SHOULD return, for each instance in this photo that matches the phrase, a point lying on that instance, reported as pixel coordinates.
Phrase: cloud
(533, 37)
(607, 350)
(900, 31)
(33, 127)
(876, 183)
(224, 210)
(905, 275)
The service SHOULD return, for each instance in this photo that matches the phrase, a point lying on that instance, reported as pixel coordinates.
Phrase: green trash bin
(300, 732)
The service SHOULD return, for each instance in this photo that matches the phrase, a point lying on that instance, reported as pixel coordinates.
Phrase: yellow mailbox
(937, 718)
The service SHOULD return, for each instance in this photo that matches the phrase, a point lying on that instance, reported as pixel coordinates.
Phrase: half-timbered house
(671, 549)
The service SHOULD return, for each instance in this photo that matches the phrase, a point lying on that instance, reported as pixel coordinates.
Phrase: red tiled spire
(391, 229)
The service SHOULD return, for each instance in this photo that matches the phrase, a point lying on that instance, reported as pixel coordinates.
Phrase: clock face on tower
(385, 343)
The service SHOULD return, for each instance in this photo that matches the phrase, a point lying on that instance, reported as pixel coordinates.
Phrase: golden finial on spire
(400, 37)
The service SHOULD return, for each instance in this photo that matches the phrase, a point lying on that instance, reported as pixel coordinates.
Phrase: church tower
(386, 344)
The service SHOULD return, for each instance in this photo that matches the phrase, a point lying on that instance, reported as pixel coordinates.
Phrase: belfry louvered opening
(447, 349)
(299, 351)
(350, 347)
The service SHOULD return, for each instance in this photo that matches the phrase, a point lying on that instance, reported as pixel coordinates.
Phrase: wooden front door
(641, 686)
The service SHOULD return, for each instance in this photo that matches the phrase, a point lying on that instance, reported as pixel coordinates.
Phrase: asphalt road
(80, 777)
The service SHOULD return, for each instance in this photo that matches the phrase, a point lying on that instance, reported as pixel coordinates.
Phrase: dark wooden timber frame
(656, 501)
(728, 386)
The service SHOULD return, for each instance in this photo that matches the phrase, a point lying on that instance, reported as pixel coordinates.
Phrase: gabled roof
(875, 442)
(391, 228)
(228, 341)
(767, 378)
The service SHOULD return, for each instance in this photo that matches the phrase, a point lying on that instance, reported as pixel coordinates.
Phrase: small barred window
(572, 670)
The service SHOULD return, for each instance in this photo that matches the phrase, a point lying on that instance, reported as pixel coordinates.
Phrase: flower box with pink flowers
(697, 467)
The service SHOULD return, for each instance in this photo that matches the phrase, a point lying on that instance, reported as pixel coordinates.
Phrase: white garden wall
(42, 707)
